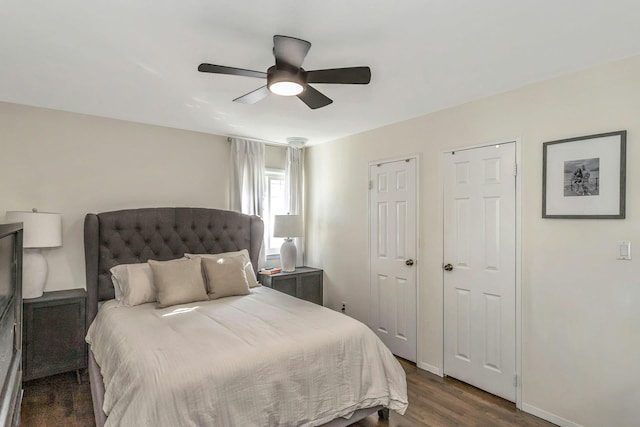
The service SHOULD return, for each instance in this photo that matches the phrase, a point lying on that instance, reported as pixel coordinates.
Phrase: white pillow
(135, 282)
(248, 268)
(117, 289)
(225, 276)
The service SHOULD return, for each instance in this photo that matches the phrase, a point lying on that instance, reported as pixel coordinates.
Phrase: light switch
(624, 250)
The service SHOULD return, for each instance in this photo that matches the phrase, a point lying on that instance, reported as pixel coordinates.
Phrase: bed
(264, 358)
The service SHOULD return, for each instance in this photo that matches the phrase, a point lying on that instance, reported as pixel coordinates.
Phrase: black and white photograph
(582, 177)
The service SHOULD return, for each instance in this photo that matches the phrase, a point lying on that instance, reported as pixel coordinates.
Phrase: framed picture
(584, 177)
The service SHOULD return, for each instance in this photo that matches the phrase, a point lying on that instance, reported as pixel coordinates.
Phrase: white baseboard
(430, 368)
(548, 416)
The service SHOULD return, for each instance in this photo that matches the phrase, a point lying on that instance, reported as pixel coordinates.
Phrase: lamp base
(34, 273)
(288, 255)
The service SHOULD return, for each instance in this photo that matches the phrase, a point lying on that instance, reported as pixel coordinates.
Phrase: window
(275, 205)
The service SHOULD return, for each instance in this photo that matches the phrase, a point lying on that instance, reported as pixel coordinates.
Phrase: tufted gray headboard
(138, 235)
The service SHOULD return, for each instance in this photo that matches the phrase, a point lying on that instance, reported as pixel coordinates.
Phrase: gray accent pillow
(248, 267)
(178, 281)
(226, 276)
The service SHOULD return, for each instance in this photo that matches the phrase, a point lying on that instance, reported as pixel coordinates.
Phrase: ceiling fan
(288, 78)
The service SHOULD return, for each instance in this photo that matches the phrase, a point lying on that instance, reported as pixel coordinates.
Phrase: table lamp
(41, 230)
(288, 226)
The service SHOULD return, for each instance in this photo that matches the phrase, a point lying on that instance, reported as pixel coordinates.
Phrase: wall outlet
(344, 307)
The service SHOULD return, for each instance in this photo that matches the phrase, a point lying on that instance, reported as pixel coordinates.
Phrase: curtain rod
(272, 143)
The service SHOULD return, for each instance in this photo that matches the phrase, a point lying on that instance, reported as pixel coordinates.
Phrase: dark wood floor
(57, 401)
(433, 401)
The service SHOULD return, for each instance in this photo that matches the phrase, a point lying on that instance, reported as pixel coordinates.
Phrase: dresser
(304, 283)
(10, 324)
(53, 337)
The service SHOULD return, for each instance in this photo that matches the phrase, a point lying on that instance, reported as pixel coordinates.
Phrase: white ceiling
(136, 59)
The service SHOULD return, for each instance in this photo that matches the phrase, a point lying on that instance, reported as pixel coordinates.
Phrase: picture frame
(585, 177)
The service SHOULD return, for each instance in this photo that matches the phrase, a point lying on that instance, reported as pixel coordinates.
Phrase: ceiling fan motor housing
(286, 75)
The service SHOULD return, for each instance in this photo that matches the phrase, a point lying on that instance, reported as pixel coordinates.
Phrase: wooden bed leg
(383, 414)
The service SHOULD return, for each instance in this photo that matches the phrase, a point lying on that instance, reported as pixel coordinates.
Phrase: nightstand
(53, 335)
(304, 283)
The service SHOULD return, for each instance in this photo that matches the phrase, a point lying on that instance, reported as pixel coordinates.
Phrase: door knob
(448, 267)
(409, 262)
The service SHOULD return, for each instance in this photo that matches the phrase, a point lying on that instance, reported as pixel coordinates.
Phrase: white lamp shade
(41, 229)
(287, 226)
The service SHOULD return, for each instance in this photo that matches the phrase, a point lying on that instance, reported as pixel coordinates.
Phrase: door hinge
(515, 380)
(515, 169)
(370, 185)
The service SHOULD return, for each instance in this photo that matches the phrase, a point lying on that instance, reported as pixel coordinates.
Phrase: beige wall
(74, 164)
(581, 315)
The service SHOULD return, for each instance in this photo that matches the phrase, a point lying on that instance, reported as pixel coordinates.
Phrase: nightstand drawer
(304, 283)
(310, 287)
(286, 285)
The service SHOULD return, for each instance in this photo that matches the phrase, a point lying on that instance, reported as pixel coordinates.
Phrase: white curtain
(294, 192)
(247, 180)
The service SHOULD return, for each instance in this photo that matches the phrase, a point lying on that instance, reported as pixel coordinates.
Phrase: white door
(392, 213)
(480, 263)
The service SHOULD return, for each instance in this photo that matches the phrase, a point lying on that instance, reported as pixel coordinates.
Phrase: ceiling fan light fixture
(286, 88)
(286, 81)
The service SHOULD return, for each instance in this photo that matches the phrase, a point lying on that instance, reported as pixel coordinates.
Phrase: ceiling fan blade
(221, 69)
(289, 51)
(253, 96)
(351, 75)
(314, 99)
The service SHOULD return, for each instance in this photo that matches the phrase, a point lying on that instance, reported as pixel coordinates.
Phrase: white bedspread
(264, 359)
